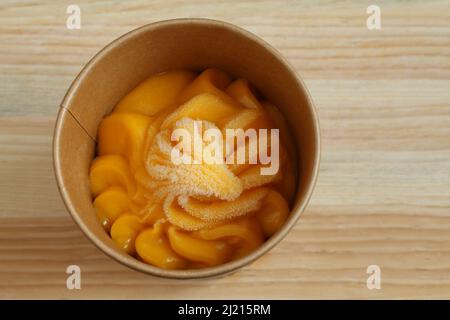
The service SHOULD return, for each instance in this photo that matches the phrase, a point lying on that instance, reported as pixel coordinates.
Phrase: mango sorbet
(189, 215)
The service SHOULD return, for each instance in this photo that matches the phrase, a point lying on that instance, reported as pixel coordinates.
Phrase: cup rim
(209, 272)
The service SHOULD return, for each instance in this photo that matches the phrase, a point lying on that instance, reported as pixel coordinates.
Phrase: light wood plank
(383, 195)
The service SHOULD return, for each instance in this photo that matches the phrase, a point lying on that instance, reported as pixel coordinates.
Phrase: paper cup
(193, 44)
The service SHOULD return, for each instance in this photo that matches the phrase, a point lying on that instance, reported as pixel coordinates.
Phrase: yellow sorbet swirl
(189, 215)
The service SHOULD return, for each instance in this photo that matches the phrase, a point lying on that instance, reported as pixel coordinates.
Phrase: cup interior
(193, 44)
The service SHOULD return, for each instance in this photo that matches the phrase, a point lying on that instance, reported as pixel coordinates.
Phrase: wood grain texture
(383, 195)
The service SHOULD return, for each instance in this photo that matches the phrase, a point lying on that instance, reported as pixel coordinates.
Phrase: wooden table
(383, 195)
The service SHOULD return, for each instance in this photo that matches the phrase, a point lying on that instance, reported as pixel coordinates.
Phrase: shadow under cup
(188, 44)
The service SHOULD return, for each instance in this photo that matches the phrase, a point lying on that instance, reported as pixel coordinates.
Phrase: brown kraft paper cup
(193, 44)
